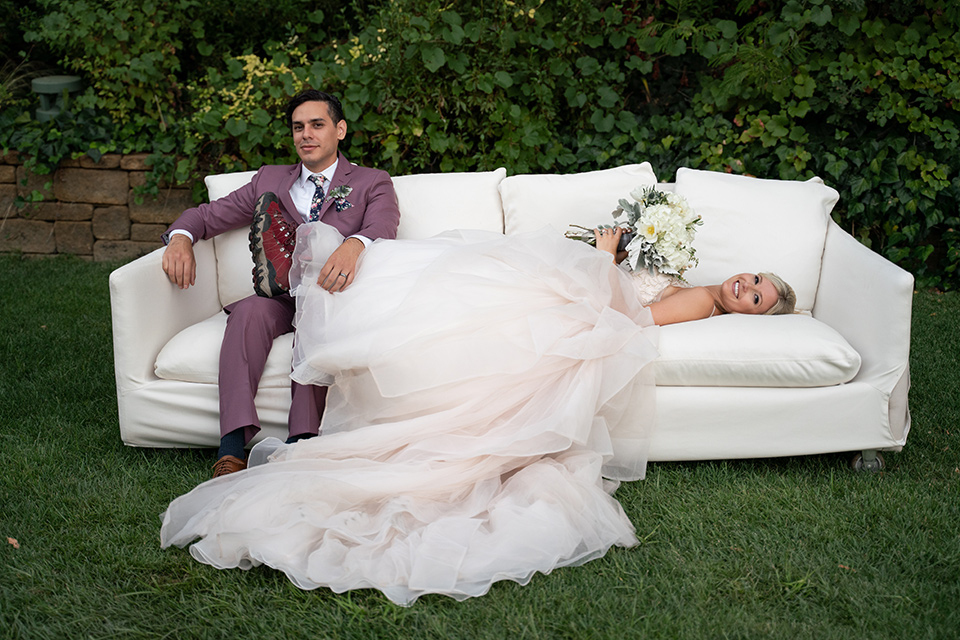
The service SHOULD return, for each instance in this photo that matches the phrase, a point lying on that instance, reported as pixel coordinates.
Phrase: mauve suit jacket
(374, 213)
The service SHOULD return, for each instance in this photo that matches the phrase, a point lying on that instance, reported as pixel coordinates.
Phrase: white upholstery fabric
(754, 351)
(234, 265)
(432, 203)
(752, 225)
(193, 355)
(719, 423)
(222, 184)
(531, 202)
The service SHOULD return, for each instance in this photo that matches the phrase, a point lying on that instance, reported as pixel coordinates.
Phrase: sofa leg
(868, 460)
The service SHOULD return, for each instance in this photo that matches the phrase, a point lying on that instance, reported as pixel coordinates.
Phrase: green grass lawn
(785, 548)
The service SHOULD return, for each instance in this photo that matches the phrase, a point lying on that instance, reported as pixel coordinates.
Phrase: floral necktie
(317, 179)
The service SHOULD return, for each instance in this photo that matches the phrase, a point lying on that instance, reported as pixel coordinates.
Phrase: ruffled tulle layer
(483, 388)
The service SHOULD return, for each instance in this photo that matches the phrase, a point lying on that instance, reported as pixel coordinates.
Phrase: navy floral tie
(317, 179)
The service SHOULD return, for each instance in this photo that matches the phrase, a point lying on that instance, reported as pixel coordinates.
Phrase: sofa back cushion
(232, 249)
(752, 225)
(432, 203)
(531, 202)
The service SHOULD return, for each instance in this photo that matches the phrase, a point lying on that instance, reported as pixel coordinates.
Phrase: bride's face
(747, 293)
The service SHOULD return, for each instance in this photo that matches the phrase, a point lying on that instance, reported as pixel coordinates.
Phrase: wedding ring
(342, 275)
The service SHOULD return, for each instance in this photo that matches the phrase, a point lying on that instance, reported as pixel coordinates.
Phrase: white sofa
(833, 378)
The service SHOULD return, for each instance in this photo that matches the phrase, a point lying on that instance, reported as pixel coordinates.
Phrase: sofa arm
(869, 300)
(147, 310)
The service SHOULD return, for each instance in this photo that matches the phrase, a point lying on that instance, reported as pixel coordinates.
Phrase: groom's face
(316, 135)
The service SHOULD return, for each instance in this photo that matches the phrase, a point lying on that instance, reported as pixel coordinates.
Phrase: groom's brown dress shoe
(228, 464)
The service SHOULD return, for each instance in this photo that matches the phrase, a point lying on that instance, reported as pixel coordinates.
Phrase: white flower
(647, 229)
(664, 225)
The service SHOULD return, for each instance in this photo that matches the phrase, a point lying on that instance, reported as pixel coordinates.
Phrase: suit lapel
(341, 177)
(289, 209)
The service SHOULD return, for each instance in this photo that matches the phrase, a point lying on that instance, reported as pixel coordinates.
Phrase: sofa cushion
(232, 248)
(752, 225)
(730, 350)
(754, 351)
(223, 184)
(193, 355)
(531, 202)
(432, 203)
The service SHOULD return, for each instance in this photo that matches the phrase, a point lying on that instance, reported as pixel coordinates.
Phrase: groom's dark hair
(312, 95)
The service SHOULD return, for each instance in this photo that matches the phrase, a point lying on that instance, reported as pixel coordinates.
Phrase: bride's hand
(608, 239)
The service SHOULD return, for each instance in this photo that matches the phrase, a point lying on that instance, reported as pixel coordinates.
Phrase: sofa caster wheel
(870, 461)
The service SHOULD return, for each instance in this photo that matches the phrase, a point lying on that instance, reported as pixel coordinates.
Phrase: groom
(359, 202)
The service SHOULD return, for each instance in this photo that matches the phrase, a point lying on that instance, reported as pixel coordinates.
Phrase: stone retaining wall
(89, 210)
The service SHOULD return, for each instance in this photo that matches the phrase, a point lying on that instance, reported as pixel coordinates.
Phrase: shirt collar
(327, 173)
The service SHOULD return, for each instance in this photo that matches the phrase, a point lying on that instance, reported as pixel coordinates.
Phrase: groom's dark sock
(299, 437)
(232, 445)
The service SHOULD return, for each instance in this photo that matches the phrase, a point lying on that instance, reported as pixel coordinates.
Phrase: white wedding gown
(482, 389)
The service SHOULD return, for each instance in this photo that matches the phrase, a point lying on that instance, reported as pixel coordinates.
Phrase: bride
(487, 394)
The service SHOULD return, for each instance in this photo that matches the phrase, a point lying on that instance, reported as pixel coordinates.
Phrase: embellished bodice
(650, 286)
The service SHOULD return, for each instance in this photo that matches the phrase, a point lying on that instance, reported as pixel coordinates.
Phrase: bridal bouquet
(659, 229)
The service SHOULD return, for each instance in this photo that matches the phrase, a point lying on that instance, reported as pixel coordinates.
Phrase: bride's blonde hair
(786, 297)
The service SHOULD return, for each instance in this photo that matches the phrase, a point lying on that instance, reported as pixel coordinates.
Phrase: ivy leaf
(603, 122)
(503, 79)
(727, 28)
(608, 97)
(452, 18)
(236, 127)
(835, 166)
(559, 66)
(859, 185)
(848, 24)
(485, 83)
(799, 110)
(805, 86)
(587, 65)
(433, 57)
(821, 15)
(780, 32)
(453, 35)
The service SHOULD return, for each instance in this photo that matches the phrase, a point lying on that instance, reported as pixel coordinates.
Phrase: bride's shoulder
(683, 304)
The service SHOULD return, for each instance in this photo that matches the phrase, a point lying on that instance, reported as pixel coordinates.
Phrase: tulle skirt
(487, 394)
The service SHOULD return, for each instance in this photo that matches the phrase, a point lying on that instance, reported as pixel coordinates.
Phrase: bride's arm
(683, 306)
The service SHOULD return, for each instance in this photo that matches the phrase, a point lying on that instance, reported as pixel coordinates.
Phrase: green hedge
(863, 94)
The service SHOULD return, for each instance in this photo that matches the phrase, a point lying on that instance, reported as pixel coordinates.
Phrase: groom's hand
(179, 263)
(338, 271)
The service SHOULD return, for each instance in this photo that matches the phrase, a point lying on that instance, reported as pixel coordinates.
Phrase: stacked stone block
(89, 209)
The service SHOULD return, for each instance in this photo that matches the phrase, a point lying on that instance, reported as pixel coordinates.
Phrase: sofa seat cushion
(193, 355)
(754, 351)
(725, 351)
